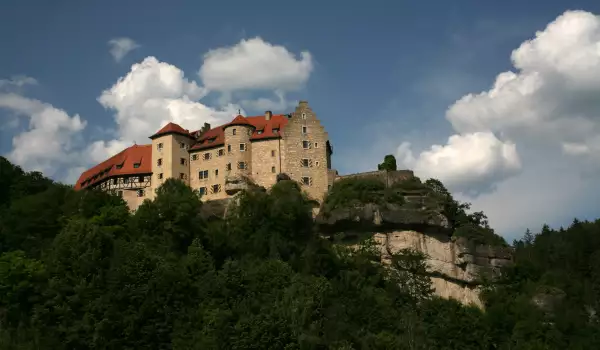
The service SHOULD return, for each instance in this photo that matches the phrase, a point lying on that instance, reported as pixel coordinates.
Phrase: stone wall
(266, 162)
(304, 126)
(387, 177)
(215, 161)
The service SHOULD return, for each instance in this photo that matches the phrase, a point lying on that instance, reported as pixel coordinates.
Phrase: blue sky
(382, 73)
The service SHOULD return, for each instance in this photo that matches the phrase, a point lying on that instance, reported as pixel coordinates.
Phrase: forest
(78, 270)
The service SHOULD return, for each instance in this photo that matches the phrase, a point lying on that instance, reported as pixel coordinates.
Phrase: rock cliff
(456, 266)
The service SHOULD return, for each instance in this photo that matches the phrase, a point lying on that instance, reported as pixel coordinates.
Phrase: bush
(355, 191)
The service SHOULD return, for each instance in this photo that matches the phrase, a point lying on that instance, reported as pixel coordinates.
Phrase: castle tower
(307, 151)
(170, 158)
(238, 148)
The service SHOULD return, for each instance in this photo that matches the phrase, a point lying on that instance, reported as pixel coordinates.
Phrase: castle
(215, 161)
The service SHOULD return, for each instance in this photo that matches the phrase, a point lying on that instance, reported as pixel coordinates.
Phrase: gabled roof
(263, 129)
(123, 163)
(171, 128)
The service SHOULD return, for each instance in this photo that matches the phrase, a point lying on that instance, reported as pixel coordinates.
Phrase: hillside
(79, 271)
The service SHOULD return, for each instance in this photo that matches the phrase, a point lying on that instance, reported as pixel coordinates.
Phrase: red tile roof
(263, 129)
(119, 165)
(239, 120)
(171, 128)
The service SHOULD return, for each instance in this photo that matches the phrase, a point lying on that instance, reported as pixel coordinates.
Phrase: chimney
(268, 115)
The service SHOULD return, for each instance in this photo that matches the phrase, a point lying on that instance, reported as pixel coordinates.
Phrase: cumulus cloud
(149, 96)
(255, 64)
(470, 163)
(120, 47)
(48, 142)
(549, 102)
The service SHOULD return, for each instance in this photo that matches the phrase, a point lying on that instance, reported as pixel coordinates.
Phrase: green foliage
(361, 190)
(389, 163)
(79, 271)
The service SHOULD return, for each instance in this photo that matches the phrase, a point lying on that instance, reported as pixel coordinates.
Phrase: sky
(499, 100)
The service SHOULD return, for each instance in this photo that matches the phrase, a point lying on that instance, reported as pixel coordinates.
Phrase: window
(273, 169)
(119, 166)
(140, 193)
(305, 144)
(207, 156)
(182, 176)
(229, 148)
(159, 146)
(221, 152)
(228, 167)
(272, 153)
(316, 145)
(120, 193)
(215, 188)
(159, 162)
(202, 191)
(317, 163)
(275, 131)
(241, 165)
(216, 172)
(203, 174)
(140, 179)
(304, 130)
(259, 132)
(136, 165)
(114, 181)
(233, 131)
(306, 162)
(303, 115)
(307, 181)
(242, 147)
(182, 161)
(160, 176)
(182, 145)
(125, 180)
(194, 157)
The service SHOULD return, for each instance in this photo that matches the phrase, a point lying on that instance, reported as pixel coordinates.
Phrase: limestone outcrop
(456, 266)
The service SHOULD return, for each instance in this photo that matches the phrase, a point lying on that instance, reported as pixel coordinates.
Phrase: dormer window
(276, 131)
(259, 132)
(136, 165)
(119, 166)
(212, 140)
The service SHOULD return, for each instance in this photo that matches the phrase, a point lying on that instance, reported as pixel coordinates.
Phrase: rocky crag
(456, 266)
(399, 212)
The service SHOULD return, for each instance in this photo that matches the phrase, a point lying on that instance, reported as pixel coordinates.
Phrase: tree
(389, 163)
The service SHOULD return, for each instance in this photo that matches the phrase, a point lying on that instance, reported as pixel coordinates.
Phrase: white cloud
(470, 163)
(17, 81)
(120, 47)
(550, 101)
(47, 144)
(548, 109)
(152, 94)
(255, 64)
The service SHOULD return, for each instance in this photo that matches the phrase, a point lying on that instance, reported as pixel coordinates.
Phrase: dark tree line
(79, 271)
